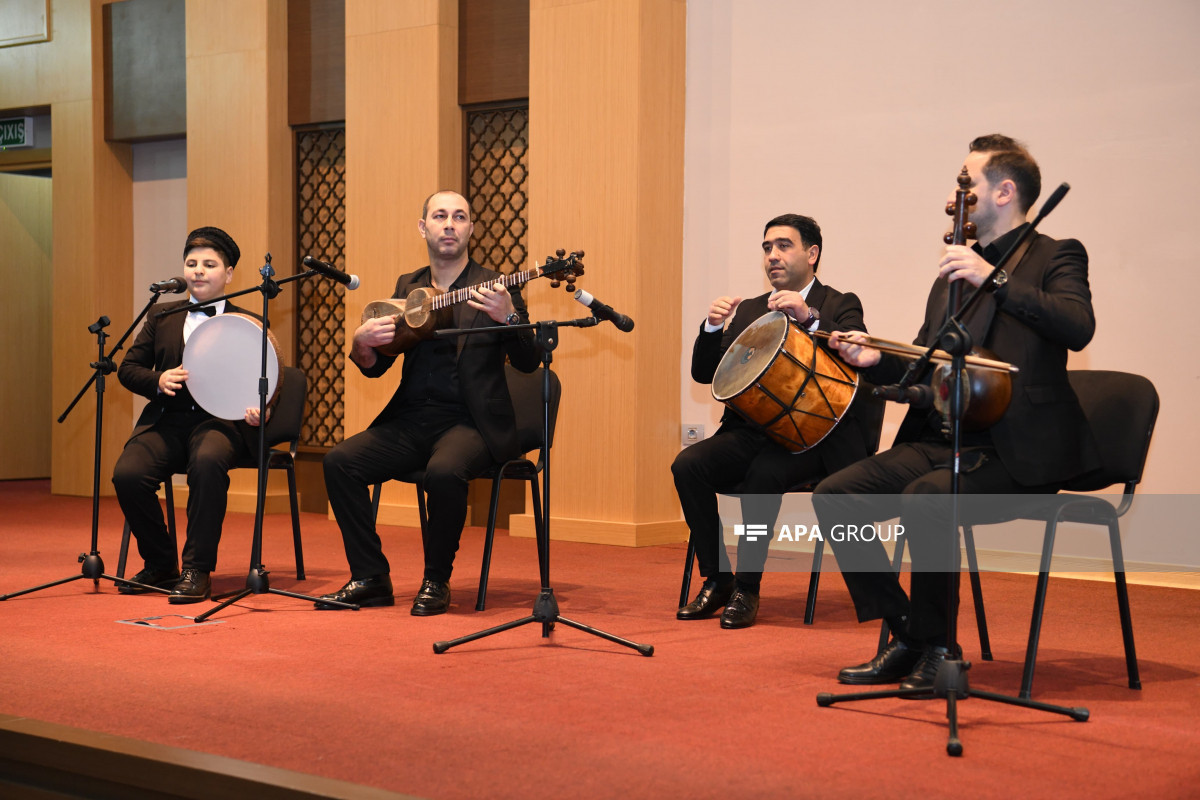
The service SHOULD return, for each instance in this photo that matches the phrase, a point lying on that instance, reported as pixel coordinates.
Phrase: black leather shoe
(741, 610)
(162, 578)
(711, 597)
(367, 593)
(895, 662)
(433, 598)
(193, 587)
(926, 670)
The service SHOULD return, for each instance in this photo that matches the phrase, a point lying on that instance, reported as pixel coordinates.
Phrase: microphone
(601, 311)
(918, 396)
(171, 286)
(330, 271)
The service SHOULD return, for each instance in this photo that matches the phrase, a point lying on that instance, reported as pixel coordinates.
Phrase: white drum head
(223, 357)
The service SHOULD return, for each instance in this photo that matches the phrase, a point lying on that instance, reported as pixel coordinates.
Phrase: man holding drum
(740, 457)
(1039, 308)
(173, 434)
(451, 415)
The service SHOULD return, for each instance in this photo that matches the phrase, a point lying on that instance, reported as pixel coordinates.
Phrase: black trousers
(742, 459)
(192, 442)
(451, 451)
(910, 481)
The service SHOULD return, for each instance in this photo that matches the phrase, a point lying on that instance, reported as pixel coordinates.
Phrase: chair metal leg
(297, 546)
(897, 562)
(814, 581)
(376, 490)
(685, 589)
(1131, 664)
(124, 551)
(1039, 607)
(485, 568)
(985, 642)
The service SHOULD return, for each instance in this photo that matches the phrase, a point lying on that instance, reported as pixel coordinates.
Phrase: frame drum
(223, 357)
(776, 376)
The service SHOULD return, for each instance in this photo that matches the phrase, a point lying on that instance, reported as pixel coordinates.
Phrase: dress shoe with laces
(741, 610)
(161, 578)
(366, 593)
(893, 664)
(433, 598)
(712, 596)
(924, 673)
(193, 587)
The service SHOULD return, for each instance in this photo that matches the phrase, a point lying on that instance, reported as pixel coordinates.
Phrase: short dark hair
(1009, 159)
(425, 205)
(807, 227)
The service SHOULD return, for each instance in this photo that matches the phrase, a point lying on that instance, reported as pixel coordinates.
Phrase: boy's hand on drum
(172, 381)
(251, 417)
(722, 309)
(850, 346)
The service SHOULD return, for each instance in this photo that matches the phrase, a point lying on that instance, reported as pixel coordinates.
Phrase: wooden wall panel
(25, 240)
(606, 165)
(404, 141)
(240, 153)
(493, 51)
(316, 61)
(144, 70)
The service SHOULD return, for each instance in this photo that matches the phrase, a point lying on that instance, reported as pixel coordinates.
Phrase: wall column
(403, 142)
(239, 162)
(606, 110)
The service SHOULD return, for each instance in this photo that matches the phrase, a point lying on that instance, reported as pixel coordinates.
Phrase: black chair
(872, 416)
(526, 391)
(1121, 410)
(283, 427)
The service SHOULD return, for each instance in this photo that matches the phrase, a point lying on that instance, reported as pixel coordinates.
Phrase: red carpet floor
(361, 697)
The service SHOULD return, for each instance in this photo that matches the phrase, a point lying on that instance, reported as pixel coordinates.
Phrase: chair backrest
(288, 415)
(1121, 409)
(526, 391)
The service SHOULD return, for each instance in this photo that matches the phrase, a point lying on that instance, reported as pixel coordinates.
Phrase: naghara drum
(776, 376)
(223, 357)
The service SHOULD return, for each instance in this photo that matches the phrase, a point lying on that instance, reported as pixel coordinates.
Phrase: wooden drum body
(776, 376)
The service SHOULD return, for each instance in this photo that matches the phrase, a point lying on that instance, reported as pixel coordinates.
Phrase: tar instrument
(427, 309)
(987, 392)
(776, 376)
(223, 357)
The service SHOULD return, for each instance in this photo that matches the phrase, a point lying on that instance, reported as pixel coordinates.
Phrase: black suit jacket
(857, 434)
(157, 348)
(1043, 311)
(480, 364)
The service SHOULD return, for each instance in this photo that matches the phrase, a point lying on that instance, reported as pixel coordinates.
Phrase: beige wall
(862, 120)
(25, 313)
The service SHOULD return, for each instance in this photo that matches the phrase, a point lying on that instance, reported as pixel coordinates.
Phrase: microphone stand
(545, 606)
(951, 680)
(257, 581)
(93, 564)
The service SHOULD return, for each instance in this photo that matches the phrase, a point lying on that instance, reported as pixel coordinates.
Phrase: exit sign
(16, 132)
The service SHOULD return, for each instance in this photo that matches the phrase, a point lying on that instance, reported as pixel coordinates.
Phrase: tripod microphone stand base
(93, 569)
(257, 582)
(951, 683)
(545, 611)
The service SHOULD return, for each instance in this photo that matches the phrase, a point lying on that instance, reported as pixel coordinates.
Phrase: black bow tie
(208, 311)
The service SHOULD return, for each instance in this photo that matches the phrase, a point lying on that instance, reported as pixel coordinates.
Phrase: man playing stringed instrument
(740, 457)
(1039, 308)
(451, 416)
